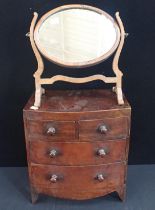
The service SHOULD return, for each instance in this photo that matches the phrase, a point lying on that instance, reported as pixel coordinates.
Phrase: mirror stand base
(40, 81)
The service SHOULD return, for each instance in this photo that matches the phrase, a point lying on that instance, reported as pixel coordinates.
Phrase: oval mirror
(76, 35)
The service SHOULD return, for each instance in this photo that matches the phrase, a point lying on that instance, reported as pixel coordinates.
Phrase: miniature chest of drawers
(77, 144)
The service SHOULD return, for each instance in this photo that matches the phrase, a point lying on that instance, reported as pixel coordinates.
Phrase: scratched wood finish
(77, 105)
(85, 130)
(77, 153)
(79, 177)
(76, 115)
(116, 128)
(39, 130)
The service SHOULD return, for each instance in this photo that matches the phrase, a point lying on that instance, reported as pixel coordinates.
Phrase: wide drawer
(78, 177)
(108, 128)
(51, 130)
(79, 153)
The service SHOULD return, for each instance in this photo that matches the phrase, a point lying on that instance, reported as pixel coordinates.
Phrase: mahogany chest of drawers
(77, 144)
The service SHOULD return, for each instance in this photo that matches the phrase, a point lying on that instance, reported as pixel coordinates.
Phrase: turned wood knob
(54, 178)
(103, 129)
(100, 177)
(51, 131)
(101, 152)
(53, 153)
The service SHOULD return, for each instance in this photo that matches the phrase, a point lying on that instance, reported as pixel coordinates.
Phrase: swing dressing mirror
(76, 36)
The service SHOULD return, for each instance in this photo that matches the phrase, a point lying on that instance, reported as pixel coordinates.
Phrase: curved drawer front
(79, 153)
(51, 130)
(78, 177)
(108, 128)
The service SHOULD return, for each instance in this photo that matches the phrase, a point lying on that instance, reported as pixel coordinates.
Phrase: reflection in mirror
(77, 35)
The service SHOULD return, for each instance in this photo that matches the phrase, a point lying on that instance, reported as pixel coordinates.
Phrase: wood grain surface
(77, 153)
(87, 163)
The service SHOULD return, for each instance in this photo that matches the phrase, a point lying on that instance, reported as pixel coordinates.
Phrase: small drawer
(79, 153)
(78, 177)
(108, 128)
(51, 130)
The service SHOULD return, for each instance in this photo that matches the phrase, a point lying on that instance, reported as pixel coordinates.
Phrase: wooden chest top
(86, 102)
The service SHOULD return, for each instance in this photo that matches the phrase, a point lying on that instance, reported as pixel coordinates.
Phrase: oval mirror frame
(76, 64)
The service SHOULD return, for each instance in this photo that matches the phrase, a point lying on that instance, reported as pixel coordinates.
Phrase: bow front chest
(77, 144)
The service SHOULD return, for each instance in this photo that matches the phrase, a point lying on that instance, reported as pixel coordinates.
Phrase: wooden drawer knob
(53, 153)
(51, 131)
(100, 177)
(103, 129)
(54, 178)
(101, 152)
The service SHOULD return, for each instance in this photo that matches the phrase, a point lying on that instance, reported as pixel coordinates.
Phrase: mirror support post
(37, 75)
(117, 71)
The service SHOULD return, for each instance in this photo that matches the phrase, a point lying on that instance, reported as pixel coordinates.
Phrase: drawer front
(51, 130)
(78, 177)
(108, 128)
(82, 153)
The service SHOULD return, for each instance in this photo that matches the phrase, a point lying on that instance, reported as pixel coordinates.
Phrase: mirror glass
(77, 36)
